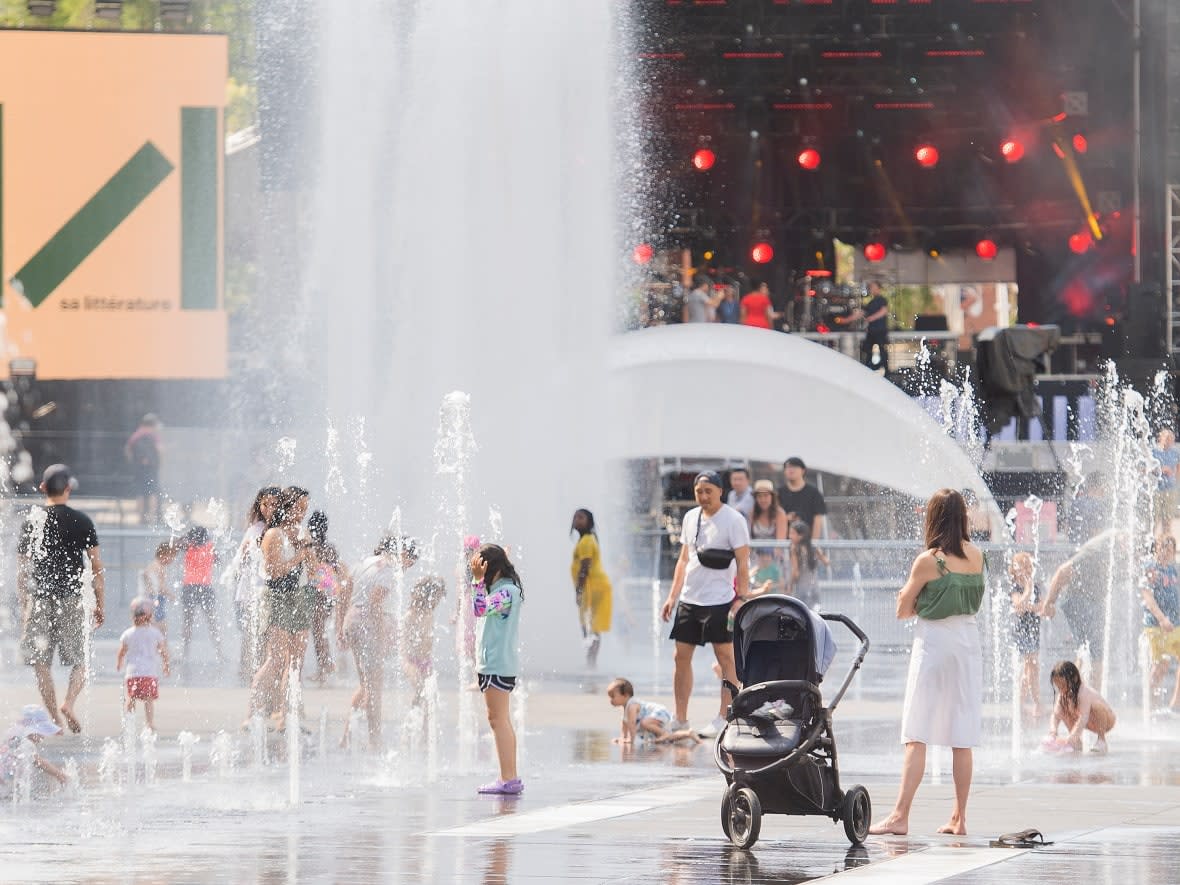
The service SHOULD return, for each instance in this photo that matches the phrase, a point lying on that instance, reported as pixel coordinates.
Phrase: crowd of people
(288, 582)
(735, 302)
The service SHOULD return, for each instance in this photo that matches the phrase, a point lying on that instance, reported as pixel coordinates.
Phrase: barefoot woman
(944, 689)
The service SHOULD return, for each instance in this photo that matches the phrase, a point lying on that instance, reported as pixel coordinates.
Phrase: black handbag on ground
(711, 557)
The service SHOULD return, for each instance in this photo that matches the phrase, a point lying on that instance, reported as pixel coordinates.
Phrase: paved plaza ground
(591, 811)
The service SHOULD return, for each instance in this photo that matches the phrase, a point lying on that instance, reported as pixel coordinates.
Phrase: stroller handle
(857, 661)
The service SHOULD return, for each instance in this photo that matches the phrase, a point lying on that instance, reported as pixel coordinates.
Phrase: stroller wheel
(745, 817)
(857, 812)
(726, 807)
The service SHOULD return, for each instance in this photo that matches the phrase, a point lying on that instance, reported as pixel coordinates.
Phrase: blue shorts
(161, 610)
(504, 683)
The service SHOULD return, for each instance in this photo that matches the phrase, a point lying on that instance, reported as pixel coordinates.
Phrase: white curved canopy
(733, 391)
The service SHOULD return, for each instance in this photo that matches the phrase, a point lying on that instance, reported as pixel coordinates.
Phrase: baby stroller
(777, 750)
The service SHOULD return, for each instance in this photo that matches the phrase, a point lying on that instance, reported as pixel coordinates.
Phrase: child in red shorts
(143, 650)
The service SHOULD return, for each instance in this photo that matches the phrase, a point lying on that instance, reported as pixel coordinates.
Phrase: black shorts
(487, 680)
(701, 624)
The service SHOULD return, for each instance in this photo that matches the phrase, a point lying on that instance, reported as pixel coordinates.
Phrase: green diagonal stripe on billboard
(92, 224)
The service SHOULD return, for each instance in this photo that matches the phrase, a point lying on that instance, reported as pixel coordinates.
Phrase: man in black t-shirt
(54, 541)
(875, 313)
(802, 501)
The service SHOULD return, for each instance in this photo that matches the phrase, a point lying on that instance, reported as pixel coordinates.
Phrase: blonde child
(643, 717)
(1161, 615)
(1080, 708)
(154, 584)
(143, 650)
(1026, 597)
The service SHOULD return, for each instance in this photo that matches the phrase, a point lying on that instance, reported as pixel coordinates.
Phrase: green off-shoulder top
(951, 593)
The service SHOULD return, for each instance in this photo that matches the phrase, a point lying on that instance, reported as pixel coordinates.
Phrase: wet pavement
(592, 811)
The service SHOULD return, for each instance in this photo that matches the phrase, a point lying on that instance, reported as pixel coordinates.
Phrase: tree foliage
(234, 18)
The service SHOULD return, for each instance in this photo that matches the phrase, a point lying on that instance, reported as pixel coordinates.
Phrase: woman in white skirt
(944, 688)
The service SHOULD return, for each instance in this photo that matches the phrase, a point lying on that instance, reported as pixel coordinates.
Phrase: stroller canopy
(779, 637)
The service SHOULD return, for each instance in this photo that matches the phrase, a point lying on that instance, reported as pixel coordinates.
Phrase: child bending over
(1080, 708)
(641, 717)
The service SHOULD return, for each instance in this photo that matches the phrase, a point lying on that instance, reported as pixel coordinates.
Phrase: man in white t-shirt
(703, 596)
(740, 498)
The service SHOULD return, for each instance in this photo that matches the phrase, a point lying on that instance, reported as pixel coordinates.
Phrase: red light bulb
(642, 253)
(927, 156)
(704, 159)
(1012, 150)
(1081, 242)
(809, 159)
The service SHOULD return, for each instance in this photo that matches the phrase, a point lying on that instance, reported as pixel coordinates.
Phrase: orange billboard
(111, 165)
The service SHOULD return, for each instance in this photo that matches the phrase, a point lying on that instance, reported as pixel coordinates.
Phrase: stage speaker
(930, 322)
(1145, 322)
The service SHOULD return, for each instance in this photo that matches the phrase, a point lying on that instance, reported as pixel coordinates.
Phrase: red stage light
(927, 156)
(642, 253)
(823, 329)
(1081, 242)
(809, 159)
(1080, 144)
(1012, 150)
(1078, 299)
(704, 159)
(1058, 151)
(986, 249)
(875, 252)
(762, 253)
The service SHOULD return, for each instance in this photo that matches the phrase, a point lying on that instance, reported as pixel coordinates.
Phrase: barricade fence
(861, 580)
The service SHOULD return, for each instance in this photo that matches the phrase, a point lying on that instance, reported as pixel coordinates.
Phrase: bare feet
(891, 826)
(954, 827)
(71, 720)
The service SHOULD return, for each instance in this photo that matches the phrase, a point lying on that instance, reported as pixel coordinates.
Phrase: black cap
(709, 476)
(794, 462)
(57, 478)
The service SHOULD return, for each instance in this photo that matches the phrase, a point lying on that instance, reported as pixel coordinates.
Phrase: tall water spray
(453, 450)
(1133, 476)
(463, 236)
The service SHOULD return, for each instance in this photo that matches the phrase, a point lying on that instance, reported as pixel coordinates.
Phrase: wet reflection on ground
(367, 820)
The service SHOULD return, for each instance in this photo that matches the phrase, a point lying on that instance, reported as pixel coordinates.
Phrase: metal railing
(861, 580)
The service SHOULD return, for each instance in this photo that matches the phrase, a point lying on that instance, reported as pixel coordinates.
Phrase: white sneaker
(713, 728)
(678, 725)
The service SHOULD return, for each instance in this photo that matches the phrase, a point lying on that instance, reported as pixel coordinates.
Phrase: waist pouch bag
(712, 557)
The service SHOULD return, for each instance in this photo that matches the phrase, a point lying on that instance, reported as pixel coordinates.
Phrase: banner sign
(111, 165)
